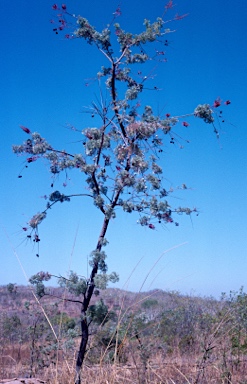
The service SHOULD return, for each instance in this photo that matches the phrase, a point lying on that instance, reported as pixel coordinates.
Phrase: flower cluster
(37, 219)
(203, 111)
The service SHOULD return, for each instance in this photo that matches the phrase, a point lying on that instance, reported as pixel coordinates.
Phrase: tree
(11, 288)
(120, 163)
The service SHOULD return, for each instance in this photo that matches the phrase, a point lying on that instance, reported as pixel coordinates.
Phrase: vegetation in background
(187, 339)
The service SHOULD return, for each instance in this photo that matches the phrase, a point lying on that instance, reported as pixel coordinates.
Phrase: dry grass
(159, 370)
(174, 367)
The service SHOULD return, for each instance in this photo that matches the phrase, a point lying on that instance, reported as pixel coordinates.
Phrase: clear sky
(43, 79)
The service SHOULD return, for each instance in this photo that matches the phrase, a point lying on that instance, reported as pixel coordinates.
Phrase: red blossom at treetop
(32, 159)
(217, 103)
(227, 102)
(25, 129)
(64, 7)
(55, 7)
(180, 17)
(117, 12)
(185, 124)
(36, 238)
(169, 4)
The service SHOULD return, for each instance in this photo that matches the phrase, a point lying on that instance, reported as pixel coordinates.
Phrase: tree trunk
(83, 346)
(86, 302)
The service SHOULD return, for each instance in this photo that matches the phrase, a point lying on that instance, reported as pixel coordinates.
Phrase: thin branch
(114, 100)
(68, 196)
(122, 55)
(64, 299)
(108, 57)
(103, 128)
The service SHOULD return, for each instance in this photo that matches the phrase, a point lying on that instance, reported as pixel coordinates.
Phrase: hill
(141, 337)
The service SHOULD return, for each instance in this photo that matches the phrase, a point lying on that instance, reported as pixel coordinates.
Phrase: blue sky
(43, 79)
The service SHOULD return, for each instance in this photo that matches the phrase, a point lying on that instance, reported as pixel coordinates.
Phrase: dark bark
(83, 346)
(85, 304)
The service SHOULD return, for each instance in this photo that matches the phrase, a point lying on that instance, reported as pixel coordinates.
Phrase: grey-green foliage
(99, 313)
(102, 279)
(204, 111)
(38, 281)
(11, 288)
(11, 326)
(149, 303)
(74, 283)
(78, 285)
(120, 157)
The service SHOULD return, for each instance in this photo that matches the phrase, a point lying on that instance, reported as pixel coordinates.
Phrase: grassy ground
(158, 370)
(153, 338)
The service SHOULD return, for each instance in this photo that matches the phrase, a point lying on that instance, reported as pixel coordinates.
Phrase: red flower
(36, 238)
(25, 129)
(227, 102)
(67, 36)
(217, 103)
(180, 17)
(169, 5)
(31, 159)
(185, 124)
(55, 7)
(117, 12)
(64, 7)
(151, 226)
(160, 52)
(168, 115)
